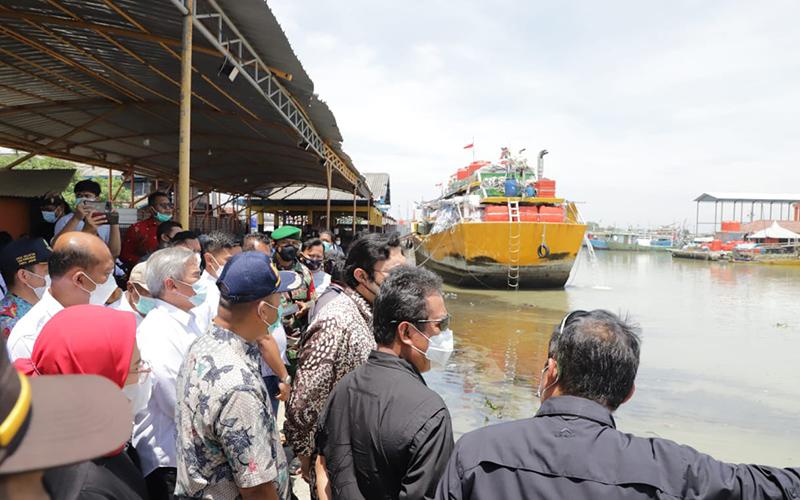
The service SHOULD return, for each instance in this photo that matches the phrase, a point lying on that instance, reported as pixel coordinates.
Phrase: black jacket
(383, 433)
(107, 478)
(571, 449)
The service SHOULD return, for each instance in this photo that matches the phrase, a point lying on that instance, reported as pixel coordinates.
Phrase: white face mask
(39, 290)
(139, 393)
(101, 291)
(440, 347)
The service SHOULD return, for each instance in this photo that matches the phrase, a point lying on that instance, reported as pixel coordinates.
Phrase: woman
(89, 339)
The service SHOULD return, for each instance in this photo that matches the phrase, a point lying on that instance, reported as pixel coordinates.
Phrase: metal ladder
(514, 244)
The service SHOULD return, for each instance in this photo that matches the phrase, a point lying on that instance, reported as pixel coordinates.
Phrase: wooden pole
(184, 152)
(133, 188)
(355, 192)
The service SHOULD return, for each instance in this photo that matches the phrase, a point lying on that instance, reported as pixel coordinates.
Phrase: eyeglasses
(576, 313)
(142, 368)
(442, 324)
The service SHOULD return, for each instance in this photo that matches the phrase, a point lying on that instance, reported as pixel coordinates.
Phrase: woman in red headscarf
(89, 339)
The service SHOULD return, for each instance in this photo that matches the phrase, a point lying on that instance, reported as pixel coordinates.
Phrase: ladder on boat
(514, 244)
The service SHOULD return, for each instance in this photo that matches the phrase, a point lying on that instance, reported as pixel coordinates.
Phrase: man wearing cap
(87, 219)
(50, 421)
(136, 299)
(228, 442)
(286, 241)
(23, 264)
(80, 269)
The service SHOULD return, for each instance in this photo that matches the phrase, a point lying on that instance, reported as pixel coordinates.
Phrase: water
(720, 358)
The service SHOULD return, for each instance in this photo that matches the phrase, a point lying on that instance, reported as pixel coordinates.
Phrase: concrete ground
(299, 486)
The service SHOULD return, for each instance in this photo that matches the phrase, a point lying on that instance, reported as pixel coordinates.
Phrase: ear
(551, 374)
(360, 275)
(630, 394)
(403, 333)
(18, 275)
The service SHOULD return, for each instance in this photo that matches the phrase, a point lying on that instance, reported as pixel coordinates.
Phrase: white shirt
(207, 311)
(321, 281)
(27, 329)
(104, 231)
(163, 338)
(122, 304)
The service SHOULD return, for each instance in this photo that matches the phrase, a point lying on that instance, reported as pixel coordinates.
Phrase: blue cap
(24, 252)
(251, 276)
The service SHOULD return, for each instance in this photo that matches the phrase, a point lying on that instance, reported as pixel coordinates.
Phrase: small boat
(500, 225)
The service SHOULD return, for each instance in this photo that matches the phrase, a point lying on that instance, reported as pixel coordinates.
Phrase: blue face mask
(163, 217)
(49, 216)
(200, 292)
(145, 304)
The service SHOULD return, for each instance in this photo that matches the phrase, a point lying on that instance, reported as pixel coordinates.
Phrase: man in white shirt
(136, 299)
(87, 219)
(81, 268)
(218, 247)
(173, 278)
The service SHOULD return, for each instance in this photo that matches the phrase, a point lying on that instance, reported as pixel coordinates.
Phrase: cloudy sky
(642, 104)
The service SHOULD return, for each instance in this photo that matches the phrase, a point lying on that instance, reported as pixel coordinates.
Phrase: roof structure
(750, 197)
(762, 225)
(98, 82)
(378, 186)
(775, 231)
(33, 183)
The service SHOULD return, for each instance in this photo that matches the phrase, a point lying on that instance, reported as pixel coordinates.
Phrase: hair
(87, 185)
(183, 236)
(598, 356)
(312, 242)
(335, 266)
(329, 233)
(5, 239)
(63, 260)
(217, 241)
(367, 251)
(165, 228)
(151, 198)
(250, 239)
(163, 264)
(402, 298)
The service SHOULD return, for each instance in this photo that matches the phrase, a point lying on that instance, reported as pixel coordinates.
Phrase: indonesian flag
(469, 146)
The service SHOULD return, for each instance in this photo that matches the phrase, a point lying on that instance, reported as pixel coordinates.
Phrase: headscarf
(84, 339)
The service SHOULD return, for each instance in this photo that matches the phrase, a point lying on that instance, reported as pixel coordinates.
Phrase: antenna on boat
(540, 165)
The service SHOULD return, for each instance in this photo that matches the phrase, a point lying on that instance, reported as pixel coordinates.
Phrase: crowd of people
(154, 366)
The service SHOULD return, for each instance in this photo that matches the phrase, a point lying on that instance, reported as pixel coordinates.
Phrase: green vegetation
(48, 163)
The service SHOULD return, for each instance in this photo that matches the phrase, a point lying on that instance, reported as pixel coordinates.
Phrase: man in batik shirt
(228, 442)
(23, 264)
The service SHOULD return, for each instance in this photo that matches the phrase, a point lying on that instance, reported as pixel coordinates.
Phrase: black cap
(24, 252)
(250, 276)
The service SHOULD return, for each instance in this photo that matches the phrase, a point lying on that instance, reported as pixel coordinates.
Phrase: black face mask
(311, 264)
(288, 253)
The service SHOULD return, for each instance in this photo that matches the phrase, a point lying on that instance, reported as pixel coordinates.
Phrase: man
(384, 434)
(50, 421)
(572, 449)
(81, 272)
(339, 340)
(23, 265)
(88, 219)
(187, 239)
(332, 247)
(258, 242)
(141, 238)
(313, 257)
(166, 231)
(286, 242)
(172, 276)
(228, 442)
(273, 347)
(136, 299)
(218, 247)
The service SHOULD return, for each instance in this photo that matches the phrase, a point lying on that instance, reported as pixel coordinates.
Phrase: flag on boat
(469, 146)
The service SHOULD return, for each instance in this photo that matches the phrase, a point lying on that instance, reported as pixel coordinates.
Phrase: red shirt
(140, 239)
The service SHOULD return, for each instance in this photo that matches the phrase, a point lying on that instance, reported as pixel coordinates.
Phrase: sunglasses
(571, 315)
(442, 323)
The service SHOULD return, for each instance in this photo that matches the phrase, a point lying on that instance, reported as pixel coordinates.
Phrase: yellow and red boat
(500, 226)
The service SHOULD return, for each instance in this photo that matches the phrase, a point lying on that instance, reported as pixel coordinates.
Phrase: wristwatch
(287, 380)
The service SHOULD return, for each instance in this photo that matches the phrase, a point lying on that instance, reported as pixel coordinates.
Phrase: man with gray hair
(384, 433)
(172, 276)
(572, 448)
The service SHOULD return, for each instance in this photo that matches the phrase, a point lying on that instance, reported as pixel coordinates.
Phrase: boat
(500, 225)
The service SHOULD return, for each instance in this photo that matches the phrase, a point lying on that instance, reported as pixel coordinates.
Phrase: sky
(643, 105)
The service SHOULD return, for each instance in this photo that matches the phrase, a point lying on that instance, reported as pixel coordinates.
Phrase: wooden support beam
(184, 156)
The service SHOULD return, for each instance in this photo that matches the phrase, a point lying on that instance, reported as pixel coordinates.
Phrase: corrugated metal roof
(750, 197)
(33, 183)
(378, 184)
(105, 73)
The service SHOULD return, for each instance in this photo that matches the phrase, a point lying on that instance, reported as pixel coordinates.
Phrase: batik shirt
(12, 308)
(227, 436)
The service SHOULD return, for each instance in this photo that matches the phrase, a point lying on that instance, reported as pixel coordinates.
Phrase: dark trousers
(161, 483)
(272, 381)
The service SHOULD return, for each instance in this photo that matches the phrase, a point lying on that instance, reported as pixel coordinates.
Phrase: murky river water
(720, 362)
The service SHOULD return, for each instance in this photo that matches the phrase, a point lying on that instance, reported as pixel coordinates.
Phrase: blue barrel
(511, 187)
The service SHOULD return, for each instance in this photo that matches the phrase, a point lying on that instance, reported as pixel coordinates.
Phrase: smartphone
(105, 208)
(290, 309)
